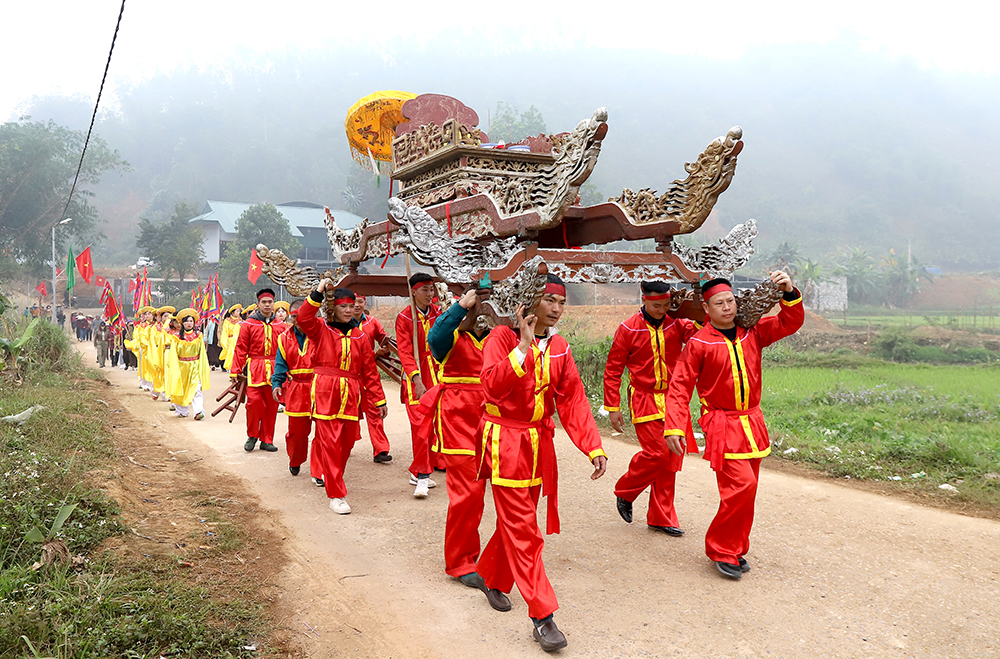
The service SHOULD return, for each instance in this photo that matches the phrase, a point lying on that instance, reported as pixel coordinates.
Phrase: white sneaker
(340, 506)
(430, 483)
(423, 484)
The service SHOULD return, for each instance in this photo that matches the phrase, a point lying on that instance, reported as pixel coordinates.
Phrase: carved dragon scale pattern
(547, 185)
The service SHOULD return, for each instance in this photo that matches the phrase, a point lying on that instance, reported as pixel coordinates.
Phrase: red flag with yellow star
(256, 267)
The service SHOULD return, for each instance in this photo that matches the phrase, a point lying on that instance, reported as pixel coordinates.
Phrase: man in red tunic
(528, 375)
(648, 344)
(256, 346)
(291, 384)
(454, 409)
(343, 364)
(372, 328)
(723, 361)
(417, 378)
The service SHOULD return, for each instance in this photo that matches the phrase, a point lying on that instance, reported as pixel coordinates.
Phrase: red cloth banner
(42, 289)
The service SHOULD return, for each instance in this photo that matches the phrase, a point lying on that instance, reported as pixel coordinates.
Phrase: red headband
(715, 290)
(260, 296)
(343, 300)
(555, 289)
(360, 298)
(421, 284)
(657, 296)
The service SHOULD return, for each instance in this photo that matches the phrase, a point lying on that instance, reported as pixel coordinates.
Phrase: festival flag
(70, 272)
(86, 265)
(99, 281)
(112, 311)
(42, 289)
(256, 267)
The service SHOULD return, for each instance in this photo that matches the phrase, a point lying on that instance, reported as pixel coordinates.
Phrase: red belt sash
(714, 422)
(337, 372)
(547, 458)
(301, 377)
(188, 359)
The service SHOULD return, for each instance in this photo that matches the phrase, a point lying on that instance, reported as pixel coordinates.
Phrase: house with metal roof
(305, 220)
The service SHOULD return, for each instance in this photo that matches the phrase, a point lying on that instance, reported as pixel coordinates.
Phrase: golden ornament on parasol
(371, 127)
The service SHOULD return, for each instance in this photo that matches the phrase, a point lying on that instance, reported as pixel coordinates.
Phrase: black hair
(655, 287)
(343, 292)
(418, 278)
(552, 279)
(265, 291)
(712, 282)
(294, 306)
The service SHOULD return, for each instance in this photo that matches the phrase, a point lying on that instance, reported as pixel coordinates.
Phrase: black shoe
(294, 471)
(729, 570)
(383, 458)
(318, 482)
(270, 448)
(441, 469)
(624, 509)
(250, 444)
(495, 597)
(548, 636)
(669, 530)
(744, 566)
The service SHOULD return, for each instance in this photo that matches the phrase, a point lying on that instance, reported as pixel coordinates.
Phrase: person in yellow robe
(142, 347)
(157, 341)
(187, 367)
(281, 310)
(228, 331)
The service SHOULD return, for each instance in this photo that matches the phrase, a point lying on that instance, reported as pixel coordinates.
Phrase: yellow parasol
(371, 127)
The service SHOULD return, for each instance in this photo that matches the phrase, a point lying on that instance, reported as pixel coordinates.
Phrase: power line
(93, 117)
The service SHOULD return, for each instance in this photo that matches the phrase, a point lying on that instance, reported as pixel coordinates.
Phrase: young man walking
(417, 377)
(528, 375)
(372, 328)
(454, 410)
(723, 361)
(291, 384)
(344, 365)
(648, 345)
(256, 347)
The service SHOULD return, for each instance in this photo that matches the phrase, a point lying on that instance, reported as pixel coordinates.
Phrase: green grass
(888, 422)
(105, 607)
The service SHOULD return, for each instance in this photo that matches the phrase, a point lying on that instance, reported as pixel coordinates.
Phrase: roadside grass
(100, 604)
(917, 425)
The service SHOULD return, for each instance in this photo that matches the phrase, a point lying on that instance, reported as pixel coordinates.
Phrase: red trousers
(262, 410)
(728, 537)
(421, 445)
(297, 443)
(514, 553)
(654, 467)
(331, 448)
(376, 432)
(466, 496)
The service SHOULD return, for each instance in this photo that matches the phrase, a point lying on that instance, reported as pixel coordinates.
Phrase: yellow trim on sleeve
(515, 364)
(791, 303)
(673, 431)
(612, 409)
(381, 403)
(310, 301)
(596, 452)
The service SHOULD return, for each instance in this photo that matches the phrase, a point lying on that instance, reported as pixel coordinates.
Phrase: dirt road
(837, 572)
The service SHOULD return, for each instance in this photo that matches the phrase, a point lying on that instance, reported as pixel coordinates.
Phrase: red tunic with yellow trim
(517, 448)
(256, 346)
(372, 327)
(342, 365)
(297, 389)
(649, 353)
(459, 408)
(727, 374)
(404, 346)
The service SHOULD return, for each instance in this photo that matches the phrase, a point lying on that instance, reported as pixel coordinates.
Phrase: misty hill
(843, 147)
